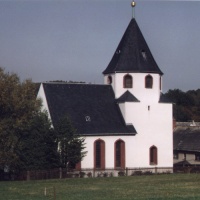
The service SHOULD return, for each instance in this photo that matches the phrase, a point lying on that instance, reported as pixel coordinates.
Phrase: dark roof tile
(187, 139)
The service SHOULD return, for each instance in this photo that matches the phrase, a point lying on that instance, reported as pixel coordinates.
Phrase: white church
(126, 122)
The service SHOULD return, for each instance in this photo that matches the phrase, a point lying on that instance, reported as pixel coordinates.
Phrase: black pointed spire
(132, 54)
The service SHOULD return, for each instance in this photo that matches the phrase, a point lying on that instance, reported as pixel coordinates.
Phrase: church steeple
(132, 54)
(133, 67)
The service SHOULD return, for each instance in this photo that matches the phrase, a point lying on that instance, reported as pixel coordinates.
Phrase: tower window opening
(148, 81)
(109, 80)
(128, 81)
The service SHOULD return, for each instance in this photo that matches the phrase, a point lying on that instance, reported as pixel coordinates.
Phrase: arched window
(109, 80)
(148, 81)
(99, 154)
(128, 81)
(153, 154)
(119, 154)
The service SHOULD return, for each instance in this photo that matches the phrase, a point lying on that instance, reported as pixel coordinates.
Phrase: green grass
(171, 186)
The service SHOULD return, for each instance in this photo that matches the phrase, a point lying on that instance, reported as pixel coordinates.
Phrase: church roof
(187, 139)
(132, 54)
(127, 97)
(91, 108)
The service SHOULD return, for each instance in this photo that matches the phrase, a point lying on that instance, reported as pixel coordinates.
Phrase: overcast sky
(75, 39)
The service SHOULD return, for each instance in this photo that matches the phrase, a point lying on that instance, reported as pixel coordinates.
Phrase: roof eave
(107, 134)
(132, 71)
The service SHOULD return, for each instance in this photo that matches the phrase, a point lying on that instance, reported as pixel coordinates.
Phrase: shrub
(89, 174)
(76, 175)
(138, 173)
(82, 174)
(167, 172)
(105, 174)
(121, 173)
(99, 174)
(111, 174)
(147, 173)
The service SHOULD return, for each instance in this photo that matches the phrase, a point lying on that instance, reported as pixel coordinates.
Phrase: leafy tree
(70, 144)
(186, 104)
(181, 114)
(21, 121)
(180, 98)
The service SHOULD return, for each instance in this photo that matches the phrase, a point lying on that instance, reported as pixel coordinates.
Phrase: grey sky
(75, 39)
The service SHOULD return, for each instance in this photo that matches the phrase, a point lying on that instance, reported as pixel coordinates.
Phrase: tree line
(186, 105)
(28, 141)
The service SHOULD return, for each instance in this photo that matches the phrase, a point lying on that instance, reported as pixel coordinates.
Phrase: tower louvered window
(109, 80)
(148, 81)
(128, 81)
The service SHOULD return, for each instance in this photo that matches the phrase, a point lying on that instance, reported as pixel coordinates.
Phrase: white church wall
(88, 161)
(41, 95)
(152, 121)
(154, 127)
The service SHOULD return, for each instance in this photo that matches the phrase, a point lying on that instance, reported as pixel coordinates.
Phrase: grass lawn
(171, 186)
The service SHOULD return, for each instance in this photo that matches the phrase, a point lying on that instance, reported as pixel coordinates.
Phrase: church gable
(91, 108)
(127, 97)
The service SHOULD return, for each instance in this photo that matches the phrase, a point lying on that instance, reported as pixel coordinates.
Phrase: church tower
(133, 68)
(136, 80)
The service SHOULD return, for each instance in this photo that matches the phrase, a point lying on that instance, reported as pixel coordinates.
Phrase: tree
(180, 98)
(37, 147)
(186, 104)
(20, 120)
(70, 144)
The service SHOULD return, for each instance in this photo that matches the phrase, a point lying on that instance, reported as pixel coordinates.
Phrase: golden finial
(133, 4)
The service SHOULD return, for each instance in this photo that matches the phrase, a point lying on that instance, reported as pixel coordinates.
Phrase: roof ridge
(67, 83)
